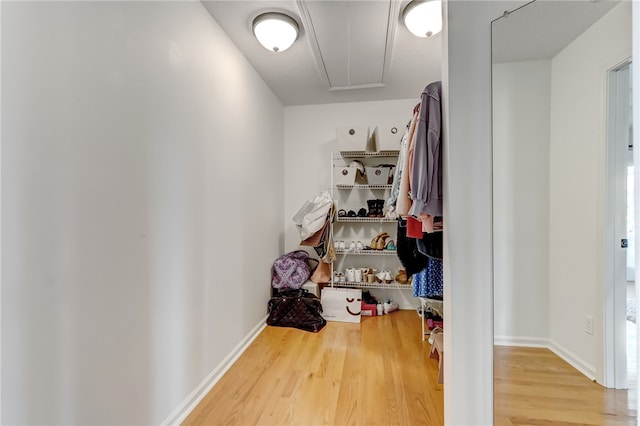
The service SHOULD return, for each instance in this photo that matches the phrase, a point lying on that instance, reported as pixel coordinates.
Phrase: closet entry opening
(620, 309)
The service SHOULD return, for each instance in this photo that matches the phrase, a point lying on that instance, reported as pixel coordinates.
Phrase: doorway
(620, 310)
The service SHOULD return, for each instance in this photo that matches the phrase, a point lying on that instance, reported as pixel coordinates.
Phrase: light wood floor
(374, 373)
(379, 373)
(535, 387)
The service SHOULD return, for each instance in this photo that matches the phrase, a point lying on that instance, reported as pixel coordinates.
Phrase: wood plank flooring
(535, 387)
(377, 372)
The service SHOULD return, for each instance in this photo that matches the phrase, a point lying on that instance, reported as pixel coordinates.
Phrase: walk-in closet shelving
(352, 197)
(363, 154)
(363, 186)
(367, 252)
(365, 220)
(361, 284)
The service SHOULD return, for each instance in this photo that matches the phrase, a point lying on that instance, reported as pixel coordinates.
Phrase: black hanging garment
(407, 250)
(431, 244)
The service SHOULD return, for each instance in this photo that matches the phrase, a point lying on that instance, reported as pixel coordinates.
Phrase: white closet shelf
(393, 286)
(357, 186)
(364, 154)
(368, 252)
(365, 219)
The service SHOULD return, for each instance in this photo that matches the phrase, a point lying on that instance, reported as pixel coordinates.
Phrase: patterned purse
(291, 270)
(297, 309)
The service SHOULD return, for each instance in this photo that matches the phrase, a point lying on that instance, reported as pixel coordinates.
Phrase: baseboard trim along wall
(538, 342)
(527, 342)
(573, 360)
(186, 407)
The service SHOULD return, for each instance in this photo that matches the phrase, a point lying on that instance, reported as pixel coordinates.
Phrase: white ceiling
(347, 51)
(541, 29)
(359, 50)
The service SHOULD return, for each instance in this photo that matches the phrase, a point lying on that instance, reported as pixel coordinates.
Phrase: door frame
(614, 297)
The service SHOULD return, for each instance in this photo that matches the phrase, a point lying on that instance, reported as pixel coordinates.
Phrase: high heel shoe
(401, 276)
(382, 241)
(374, 242)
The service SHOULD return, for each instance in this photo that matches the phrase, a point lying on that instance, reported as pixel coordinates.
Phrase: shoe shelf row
(364, 154)
(361, 186)
(367, 252)
(363, 284)
(349, 219)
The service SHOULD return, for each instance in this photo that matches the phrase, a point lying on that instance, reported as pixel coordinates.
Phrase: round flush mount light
(423, 17)
(275, 31)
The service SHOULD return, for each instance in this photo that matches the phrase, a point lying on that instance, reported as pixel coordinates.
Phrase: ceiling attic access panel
(352, 41)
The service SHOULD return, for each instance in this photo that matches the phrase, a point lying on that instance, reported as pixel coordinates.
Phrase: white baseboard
(184, 409)
(573, 360)
(527, 342)
(537, 342)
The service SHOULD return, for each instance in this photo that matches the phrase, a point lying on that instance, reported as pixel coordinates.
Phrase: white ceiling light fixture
(275, 31)
(423, 17)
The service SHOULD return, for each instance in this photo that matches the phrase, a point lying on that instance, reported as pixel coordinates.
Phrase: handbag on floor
(297, 309)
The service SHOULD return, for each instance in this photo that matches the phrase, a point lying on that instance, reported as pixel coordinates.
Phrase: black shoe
(373, 211)
(368, 298)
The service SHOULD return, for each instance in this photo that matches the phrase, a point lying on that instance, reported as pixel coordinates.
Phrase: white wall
(468, 284)
(141, 207)
(521, 102)
(310, 138)
(635, 77)
(577, 177)
(468, 260)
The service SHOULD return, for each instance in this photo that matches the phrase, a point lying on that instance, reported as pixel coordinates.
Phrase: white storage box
(353, 138)
(378, 175)
(344, 175)
(388, 137)
(341, 304)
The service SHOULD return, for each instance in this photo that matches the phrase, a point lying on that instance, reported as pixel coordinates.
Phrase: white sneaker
(341, 245)
(387, 277)
(389, 307)
(352, 246)
(359, 245)
(350, 273)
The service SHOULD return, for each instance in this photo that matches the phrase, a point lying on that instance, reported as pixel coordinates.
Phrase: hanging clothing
(414, 227)
(407, 250)
(430, 244)
(395, 187)
(426, 169)
(428, 283)
(404, 201)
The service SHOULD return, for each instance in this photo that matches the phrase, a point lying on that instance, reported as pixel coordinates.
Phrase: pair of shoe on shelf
(379, 242)
(353, 246)
(401, 277)
(384, 277)
(376, 208)
(352, 213)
